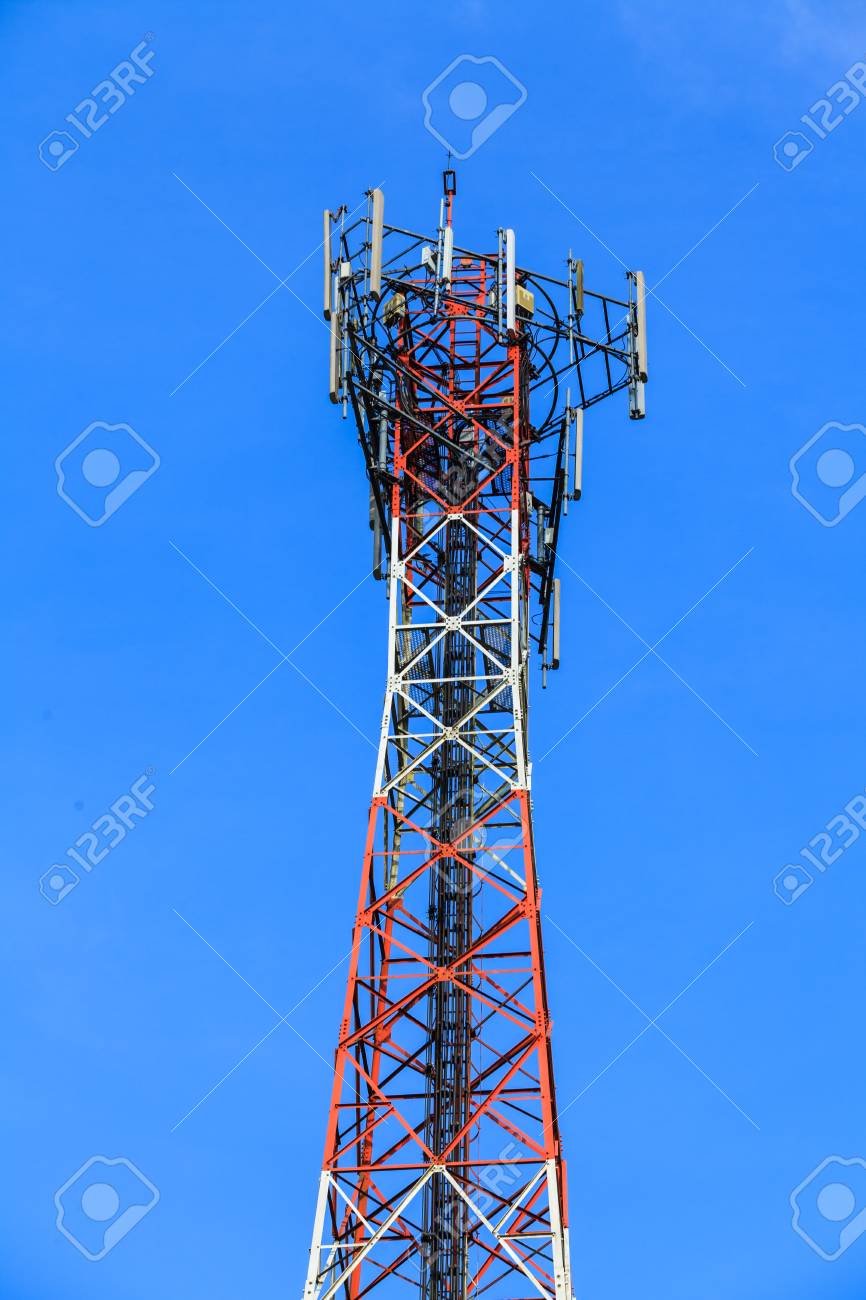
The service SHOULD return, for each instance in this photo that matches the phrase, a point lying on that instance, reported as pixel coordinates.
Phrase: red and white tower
(443, 1174)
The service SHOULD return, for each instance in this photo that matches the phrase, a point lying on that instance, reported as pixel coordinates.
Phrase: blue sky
(670, 787)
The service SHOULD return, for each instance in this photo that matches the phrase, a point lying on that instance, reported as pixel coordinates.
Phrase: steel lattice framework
(443, 1171)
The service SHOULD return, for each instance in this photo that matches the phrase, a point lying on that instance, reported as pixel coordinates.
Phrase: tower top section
(399, 302)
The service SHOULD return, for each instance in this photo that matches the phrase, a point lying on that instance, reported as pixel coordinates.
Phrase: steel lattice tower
(443, 1173)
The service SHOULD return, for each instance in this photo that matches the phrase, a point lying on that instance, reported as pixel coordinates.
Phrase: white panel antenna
(638, 379)
(377, 220)
(334, 357)
(510, 281)
(578, 454)
(447, 253)
(326, 244)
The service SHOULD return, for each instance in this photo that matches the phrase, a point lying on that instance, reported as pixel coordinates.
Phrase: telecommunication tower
(443, 1175)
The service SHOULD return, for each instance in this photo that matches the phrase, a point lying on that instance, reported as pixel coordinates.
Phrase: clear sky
(672, 785)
